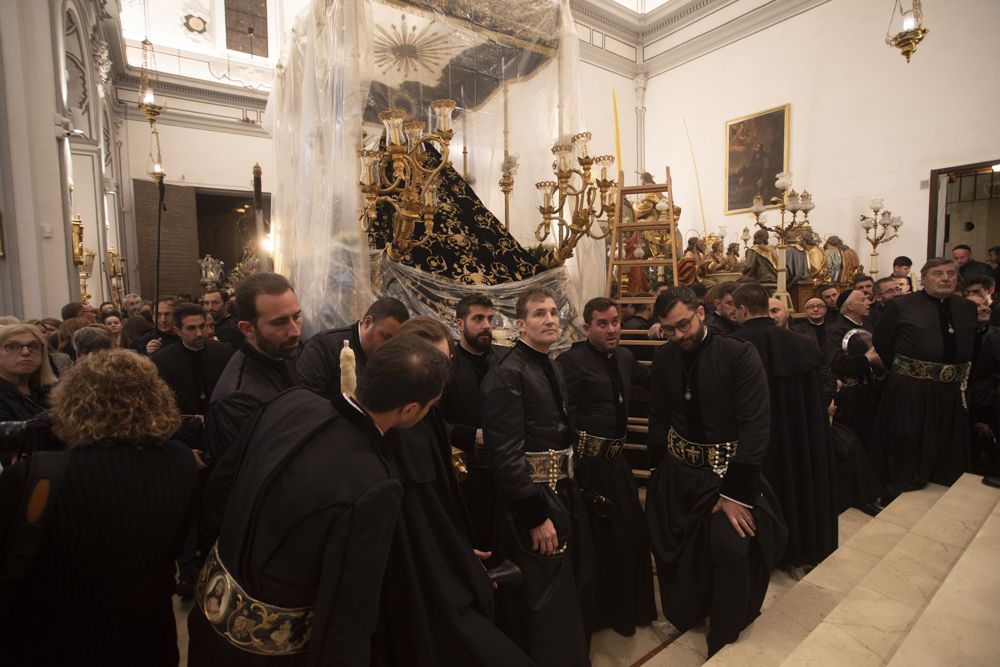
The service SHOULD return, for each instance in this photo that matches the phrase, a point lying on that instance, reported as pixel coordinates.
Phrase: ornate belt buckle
(947, 374)
(614, 449)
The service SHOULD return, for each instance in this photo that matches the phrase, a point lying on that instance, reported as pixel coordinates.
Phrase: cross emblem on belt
(693, 454)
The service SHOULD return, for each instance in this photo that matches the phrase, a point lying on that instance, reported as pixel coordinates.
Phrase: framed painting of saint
(756, 150)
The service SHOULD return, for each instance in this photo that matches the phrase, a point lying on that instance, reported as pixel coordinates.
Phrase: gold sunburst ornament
(410, 52)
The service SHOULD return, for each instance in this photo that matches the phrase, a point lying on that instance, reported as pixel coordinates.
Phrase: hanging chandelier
(147, 101)
(912, 28)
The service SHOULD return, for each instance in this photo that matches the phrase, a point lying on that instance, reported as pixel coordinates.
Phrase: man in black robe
(226, 325)
(319, 361)
(885, 290)
(161, 335)
(313, 510)
(983, 395)
(714, 525)
(829, 294)
(799, 463)
(859, 369)
(436, 602)
(814, 323)
(541, 522)
(967, 266)
(599, 378)
(462, 408)
(191, 369)
(927, 339)
(722, 320)
(270, 320)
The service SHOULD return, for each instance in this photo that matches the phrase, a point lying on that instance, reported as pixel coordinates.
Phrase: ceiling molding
(196, 90)
(608, 61)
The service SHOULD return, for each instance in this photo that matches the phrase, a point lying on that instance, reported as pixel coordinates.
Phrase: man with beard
(885, 290)
(599, 378)
(462, 407)
(295, 575)
(927, 339)
(436, 602)
(226, 328)
(542, 523)
(777, 312)
(161, 335)
(857, 366)
(829, 294)
(192, 369)
(722, 320)
(866, 284)
(814, 324)
(712, 528)
(270, 319)
(799, 463)
(319, 362)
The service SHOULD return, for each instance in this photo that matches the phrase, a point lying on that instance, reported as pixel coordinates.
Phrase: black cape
(924, 425)
(192, 374)
(437, 604)
(799, 463)
(549, 615)
(598, 390)
(462, 408)
(730, 401)
(319, 361)
(139, 344)
(309, 522)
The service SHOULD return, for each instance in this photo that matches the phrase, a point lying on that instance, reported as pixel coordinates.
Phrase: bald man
(777, 312)
(814, 325)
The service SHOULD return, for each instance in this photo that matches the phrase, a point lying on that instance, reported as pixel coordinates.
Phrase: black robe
(984, 401)
(139, 344)
(799, 463)
(192, 374)
(815, 331)
(857, 483)
(437, 604)
(704, 568)
(310, 522)
(923, 424)
(228, 332)
(722, 326)
(549, 614)
(319, 361)
(462, 408)
(857, 404)
(598, 391)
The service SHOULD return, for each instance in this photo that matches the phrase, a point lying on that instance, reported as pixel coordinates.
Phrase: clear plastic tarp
(511, 67)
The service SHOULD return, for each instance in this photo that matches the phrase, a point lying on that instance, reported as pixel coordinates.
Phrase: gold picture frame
(751, 143)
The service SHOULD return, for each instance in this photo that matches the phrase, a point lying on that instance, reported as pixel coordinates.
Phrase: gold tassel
(348, 370)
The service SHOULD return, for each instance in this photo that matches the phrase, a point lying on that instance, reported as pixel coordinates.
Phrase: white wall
(864, 123)
(596, 85)
(201, 158)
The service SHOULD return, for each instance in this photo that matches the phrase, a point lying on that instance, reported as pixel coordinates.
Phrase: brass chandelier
(912, 32)
(398, 173)
(575, 201)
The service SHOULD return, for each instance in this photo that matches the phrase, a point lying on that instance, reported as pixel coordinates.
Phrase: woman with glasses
(25, 374)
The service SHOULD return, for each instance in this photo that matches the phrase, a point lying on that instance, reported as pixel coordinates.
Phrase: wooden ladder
(619, 263)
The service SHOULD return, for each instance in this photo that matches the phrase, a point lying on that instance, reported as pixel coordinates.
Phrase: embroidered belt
(929, 370)
(597, 447)
(714, 457)
(247, 623)
(856, 382)
(550, 466)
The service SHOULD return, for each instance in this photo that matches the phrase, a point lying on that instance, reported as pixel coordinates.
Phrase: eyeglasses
(34, 347)
(816, 306)
(683, 326)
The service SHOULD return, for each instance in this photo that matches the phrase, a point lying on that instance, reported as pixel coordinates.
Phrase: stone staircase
(917, 585)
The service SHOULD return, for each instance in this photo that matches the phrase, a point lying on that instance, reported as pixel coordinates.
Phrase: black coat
(319, 362)
(192, 374)
(139, 344)
(598, 400)
(722, 326)
(309, 523)
(15, 406)
(228, 332)
(462, 403)
(799, 464)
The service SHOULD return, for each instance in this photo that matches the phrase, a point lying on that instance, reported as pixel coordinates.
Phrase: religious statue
(815, 257)
(849, 260)
(692, 264)
(715, 259)
(834, 262)
(762, 259)
(796, 261)
(645, 208)
(635, 281)
(732, 262)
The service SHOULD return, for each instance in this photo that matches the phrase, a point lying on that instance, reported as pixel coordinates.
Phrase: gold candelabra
(880, 227)
(398, 174)
(790, 202)
(567, 204)
(86, 270)
(116, 278)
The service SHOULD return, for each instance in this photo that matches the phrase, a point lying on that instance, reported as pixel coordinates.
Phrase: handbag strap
(45, 473)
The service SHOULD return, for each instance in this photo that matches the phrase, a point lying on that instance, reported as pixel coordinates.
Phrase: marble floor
(608, 648)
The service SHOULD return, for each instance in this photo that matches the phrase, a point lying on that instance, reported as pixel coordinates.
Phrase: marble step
(960, 625)
(770, 639)
(869, 623)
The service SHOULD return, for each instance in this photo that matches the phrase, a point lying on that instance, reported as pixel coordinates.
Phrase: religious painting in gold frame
(756, 150)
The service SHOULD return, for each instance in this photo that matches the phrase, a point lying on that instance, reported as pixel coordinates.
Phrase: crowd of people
(383, 494)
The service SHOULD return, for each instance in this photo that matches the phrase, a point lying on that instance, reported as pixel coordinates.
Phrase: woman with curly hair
(99, 591)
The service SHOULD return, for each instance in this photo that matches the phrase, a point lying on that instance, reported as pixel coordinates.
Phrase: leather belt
(594, 446)
(930, 370)
(714, 457)
(245, 622)
(550, 466)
